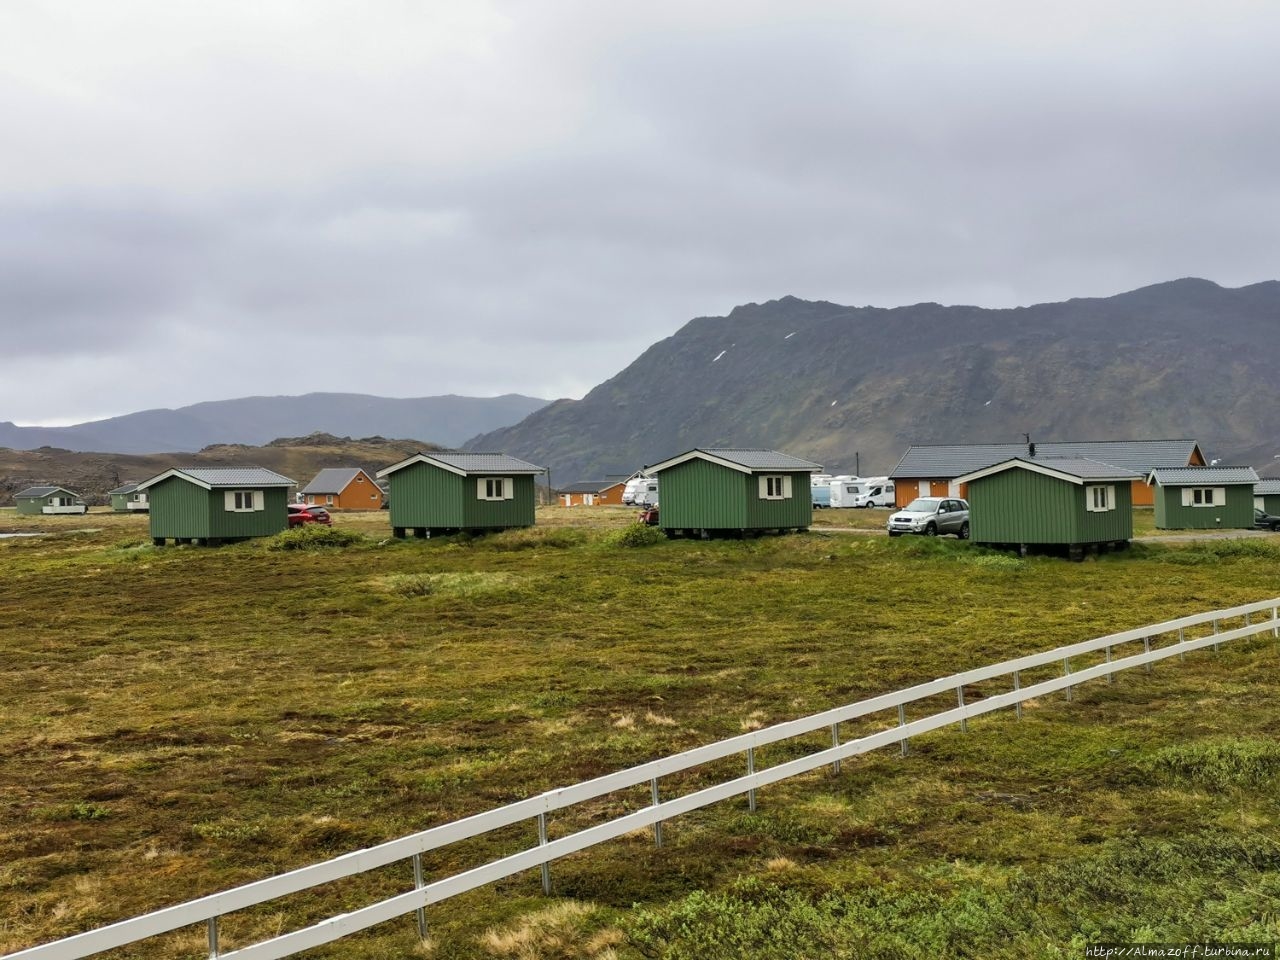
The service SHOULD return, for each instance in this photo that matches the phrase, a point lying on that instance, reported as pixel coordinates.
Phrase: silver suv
(931, 516)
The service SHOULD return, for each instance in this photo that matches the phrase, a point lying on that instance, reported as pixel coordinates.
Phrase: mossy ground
(177, 721)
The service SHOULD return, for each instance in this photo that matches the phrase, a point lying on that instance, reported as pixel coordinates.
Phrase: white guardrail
(207, 910)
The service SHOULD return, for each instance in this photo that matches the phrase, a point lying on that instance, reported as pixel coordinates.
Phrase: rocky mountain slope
(447, 420)
(854, 386)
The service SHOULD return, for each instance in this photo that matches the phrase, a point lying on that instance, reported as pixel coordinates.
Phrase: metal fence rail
(207, 910)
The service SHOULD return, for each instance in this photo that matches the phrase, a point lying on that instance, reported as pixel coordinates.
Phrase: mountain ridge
(857, 385)
(448, 420)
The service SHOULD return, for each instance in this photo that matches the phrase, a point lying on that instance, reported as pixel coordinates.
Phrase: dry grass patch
(555, 932)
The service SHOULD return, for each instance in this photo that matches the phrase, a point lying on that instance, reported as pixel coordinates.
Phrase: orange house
(343, 488)
(930, 470)
(592, 493)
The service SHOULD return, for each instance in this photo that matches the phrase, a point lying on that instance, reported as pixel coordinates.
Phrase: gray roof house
(1203, 498)
(343, 488)
(48, 499)
(1266, 496)
(126, 499)
(208, 505)
(451, 490)
(933, 469)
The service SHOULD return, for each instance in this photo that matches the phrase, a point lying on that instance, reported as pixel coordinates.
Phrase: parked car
(300, 513)
(1265, 521)
(931, 516)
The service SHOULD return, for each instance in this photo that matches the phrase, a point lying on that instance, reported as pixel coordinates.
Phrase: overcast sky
(201, 201)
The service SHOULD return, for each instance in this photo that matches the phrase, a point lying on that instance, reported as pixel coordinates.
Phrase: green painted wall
(1021, 506)
(1271, 504)
(427, 496)
(120, 502)
(181, 509)
(700, 495)
(1236, 513)
(34, 506)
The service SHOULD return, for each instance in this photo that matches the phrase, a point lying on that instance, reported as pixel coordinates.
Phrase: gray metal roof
(483, 462)
(1076, 468)
(1266, 488)
(42, 491)
(590, 486)
(466, 463)
(1203, 476)
(125, 488)
(219, 477)
(747, 459)
(332, 480)
(956, 459)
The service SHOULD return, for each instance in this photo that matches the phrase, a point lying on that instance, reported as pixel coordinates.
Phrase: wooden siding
(1142, 494)
(700, 495)
(1020, 506)
(182, 510)
(426, 497)
(1271, 504)
(31, 506)
(1235, 514)
(610, 496)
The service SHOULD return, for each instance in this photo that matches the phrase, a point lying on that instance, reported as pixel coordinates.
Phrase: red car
(300, 513)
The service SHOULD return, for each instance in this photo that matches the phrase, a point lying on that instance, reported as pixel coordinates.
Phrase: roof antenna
(1031, 447)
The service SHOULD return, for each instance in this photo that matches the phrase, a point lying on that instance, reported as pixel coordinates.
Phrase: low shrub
(1231, 762)
(315, 536)
(635, 535)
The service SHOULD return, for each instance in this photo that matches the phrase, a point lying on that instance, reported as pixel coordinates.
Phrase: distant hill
(854, 386)
(447, 421)
(92, 474)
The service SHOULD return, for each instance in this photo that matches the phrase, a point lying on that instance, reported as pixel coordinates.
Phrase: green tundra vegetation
(181, 720)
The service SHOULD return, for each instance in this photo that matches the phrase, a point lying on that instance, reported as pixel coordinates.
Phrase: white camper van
(641, 492)
(877, 492)
(845, 490)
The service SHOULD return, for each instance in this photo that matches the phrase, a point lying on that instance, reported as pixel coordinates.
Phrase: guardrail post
(212, 924)
(751, 768)
(418, 884)
(1066, 672)
(1146, 648)
(1275, 621)
(964, 721)
(835, 742)
(1215, 633)
(902, 722)
(657, 826)
(1182, 636)
(1111, 677)
(542, 842)
(1017, 685)
(1248, 620)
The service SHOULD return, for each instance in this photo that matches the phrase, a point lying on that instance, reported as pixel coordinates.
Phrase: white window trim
(779, 482)
(507, 490)
(257, 500)
(1217, 496)
(1109, 498)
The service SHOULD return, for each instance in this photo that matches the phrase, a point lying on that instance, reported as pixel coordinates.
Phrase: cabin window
(1204, 496)
(244, 501)
(328, 500)
(1100, 499)
(495, 488)
(775, 487)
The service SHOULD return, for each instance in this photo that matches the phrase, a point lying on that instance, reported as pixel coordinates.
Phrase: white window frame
(243, 501)
(1104, 492)
(495, 488)
(774, 486)
(1204, 496)
(328, 499)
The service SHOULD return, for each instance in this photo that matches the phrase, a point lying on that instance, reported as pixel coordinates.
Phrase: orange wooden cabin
(592, 493)
(343, 488)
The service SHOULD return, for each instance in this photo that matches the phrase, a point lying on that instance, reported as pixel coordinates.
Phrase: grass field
(177, 721)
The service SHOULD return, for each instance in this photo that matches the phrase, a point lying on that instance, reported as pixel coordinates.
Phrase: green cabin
(48, 501)
(448, 491)
(126, 499)
(1204, 498)
(1075, 503)
(733, 492)
(210, 505)
(1266, 496)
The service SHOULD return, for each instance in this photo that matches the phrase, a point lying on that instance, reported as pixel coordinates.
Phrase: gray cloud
(483, 198)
